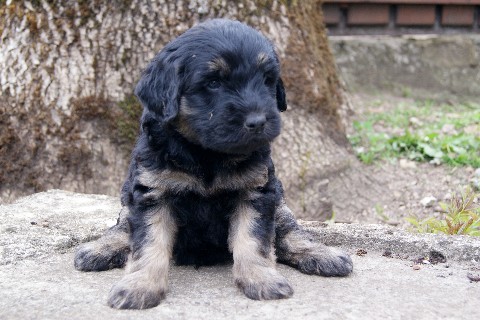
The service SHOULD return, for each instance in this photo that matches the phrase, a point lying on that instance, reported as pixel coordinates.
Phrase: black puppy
(201, 185)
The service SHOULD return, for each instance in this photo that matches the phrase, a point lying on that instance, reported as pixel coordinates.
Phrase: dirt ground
(395, 188)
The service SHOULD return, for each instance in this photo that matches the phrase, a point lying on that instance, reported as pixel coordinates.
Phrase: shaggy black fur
(212, 100)
(219, 103)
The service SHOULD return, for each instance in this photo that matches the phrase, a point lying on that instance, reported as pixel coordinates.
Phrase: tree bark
(68, 117)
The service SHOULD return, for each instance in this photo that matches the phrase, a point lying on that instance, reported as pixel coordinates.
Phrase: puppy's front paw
(263, 283)
(325, 261)
(133, 292)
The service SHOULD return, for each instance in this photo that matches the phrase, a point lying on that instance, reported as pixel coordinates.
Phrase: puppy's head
(218, 85)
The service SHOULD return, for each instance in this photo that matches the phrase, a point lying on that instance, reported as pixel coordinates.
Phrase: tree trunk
(68, 117)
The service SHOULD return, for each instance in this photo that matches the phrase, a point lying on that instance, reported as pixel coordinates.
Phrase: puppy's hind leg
(109, 251)
(297, 247)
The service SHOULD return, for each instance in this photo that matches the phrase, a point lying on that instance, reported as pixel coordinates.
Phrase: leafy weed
(462, 217)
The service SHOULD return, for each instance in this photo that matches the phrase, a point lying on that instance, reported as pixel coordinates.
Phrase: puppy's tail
(109, 251)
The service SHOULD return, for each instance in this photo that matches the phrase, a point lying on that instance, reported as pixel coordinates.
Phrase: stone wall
(443, 67)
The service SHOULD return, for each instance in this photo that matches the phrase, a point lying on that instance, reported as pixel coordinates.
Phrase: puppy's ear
(281, 99)
(159, 87)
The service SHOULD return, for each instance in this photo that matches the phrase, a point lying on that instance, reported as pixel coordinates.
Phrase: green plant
(394, 134)
(462, 216)
(331, 221)
(381, 212)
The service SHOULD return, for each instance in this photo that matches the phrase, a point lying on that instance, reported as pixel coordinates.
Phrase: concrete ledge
(396, 242)
(55, 221)
(38, 281)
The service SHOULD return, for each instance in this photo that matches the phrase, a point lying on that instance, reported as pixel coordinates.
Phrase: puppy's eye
(214, 84)
(269, 81)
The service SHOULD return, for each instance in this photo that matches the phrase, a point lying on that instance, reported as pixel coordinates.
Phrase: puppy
(201, 186)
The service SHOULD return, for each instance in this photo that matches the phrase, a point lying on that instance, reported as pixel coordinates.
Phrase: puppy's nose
(255, 122)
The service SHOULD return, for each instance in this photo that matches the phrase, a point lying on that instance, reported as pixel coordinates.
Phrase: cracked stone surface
(394, 276)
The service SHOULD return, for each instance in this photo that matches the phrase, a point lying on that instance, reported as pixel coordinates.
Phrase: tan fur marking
(109, 251)
(148, 274)
(185, 108)
(283, 214)
(157, 251)
(262, 58)
(112, 242)
(177, 181)
(254, 274)
(170, 180)
(240, 238)
(248, 263)
(220, 65)
(181, 121)
(253, 178)
(298, 245)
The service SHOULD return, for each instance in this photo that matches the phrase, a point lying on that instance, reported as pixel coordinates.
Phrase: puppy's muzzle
(255, 122)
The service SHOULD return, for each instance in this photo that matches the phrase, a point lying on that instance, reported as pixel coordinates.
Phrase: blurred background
(412, 72)
(383, 122)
